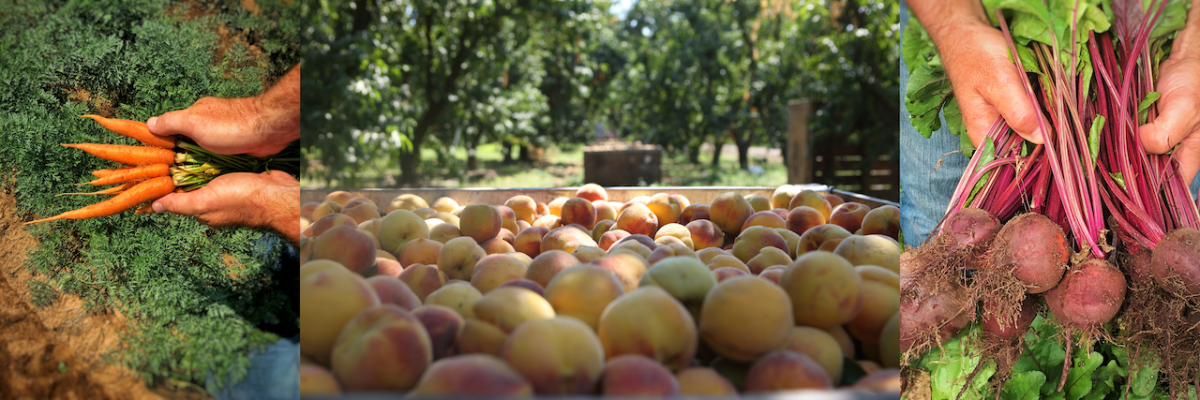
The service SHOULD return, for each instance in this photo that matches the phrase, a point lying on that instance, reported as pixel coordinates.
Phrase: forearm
(1187, 42)
(938, 15)
(279, 210)
(279, 109)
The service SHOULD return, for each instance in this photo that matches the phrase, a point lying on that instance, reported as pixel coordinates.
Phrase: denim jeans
(928, 174)
(274, 374)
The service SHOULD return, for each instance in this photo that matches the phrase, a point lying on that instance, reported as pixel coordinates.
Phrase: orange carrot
(145, 209)
(132, 174)
(133, 129)
(100, 173)
(132, 155)
(143, 192)
(111, 190)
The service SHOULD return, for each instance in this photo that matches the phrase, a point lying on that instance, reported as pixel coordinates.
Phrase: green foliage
(198, 299)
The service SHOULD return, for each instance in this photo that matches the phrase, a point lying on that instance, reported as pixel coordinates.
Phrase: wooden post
(799, 154)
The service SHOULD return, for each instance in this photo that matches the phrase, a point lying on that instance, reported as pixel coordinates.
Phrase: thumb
(1176, 119)
(1012, 102)
(171, 123)
(177, 203)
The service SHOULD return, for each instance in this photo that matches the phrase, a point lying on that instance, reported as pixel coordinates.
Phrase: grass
(561, 167)
(173, 278)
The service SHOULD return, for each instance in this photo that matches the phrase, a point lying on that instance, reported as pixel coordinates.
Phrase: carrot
(143, 192)
(145, 209)
(100, 173)
(133, 129)
(133, 174)
(132, 155)
(111, 190)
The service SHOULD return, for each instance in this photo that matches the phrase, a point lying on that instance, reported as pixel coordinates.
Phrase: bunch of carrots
(156, 170)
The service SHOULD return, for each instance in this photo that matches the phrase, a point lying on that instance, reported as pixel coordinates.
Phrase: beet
(1138, 267)
(970, 227)
(1010, 330)
(1034, 248)
(1090, 294)
(947, 313)
(1177, 255)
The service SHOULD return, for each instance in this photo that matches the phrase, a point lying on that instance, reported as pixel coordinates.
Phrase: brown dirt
(34, 343)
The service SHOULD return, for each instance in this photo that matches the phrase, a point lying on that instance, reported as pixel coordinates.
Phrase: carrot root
(142, 192)
(111, 190)
(136, 130)
(132, 155)
(132, 174)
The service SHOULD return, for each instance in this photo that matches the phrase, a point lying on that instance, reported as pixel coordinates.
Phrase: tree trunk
(507, 153)
(408, 165)
(718, 142)
(743, 147)
(524, 154)
(694, 154)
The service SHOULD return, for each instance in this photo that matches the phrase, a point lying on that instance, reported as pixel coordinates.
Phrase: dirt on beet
(54, 352)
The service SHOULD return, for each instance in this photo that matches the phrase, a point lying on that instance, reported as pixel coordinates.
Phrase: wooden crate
(497, 196)
(622, 167)
(841, 167)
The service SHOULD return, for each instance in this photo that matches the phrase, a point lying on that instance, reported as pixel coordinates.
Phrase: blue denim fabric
(926, 187)
(274, 374)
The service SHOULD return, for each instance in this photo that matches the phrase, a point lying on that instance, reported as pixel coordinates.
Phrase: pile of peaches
(655, 296)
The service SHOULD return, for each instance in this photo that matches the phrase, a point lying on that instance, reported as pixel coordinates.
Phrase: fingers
(1012, 102)
(977, 115)
(171, 123)
(179, 203)
(1188, 156)
(1176, 119)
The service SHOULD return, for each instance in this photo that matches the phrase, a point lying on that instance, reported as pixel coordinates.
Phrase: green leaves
(1094, 136)
(1024, 386)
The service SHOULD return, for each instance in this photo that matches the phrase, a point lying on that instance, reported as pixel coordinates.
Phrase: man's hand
(1178, 121)
(266, 201)
(986, 83)
(259, 126)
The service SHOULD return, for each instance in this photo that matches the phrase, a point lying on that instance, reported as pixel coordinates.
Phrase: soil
(54, 352)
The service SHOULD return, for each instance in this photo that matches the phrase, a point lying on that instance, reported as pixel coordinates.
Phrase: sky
(620, 7)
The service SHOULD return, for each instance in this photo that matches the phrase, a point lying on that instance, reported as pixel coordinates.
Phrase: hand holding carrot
(259, 126)
(266, 201)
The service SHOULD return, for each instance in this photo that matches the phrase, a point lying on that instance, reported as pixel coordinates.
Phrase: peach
(529, 241)
(626, 265)
(473, 375)
(423, 279)
(602, 227)
(555, 206)
(633, 246)
(701, 381)
(508, 218)
(542, 209)
(753, 240)
(608, 239)
(767, 219)
(820, 346)
(586, 254)
(834, 200)
(670, 250)
(566, 239)
(458, 257)
(734, 333)
(684, 278)
(495, 269)
(831, 244)
(387, 266)
(705, 234)
(870, 250)
(424, 212)
(683, 201)
(407, 202)
(637, 219)
(759, 202)
(843, 339)
(371, 225)
(812, 239)
(881, 300)
(392, 291)
(729, 211)
(640, 199)
(649, 322)
(592, 192)
(665, 208)
(322, 224)
(326, 208)
(849, 216)
(446, 217)
(824, 288)
(496, 246)
(668, 239)
(884, 220)
(678, 231)
(559, 356)
(549, 222)
(548, 264)
(634, 375)
(882, 381)
(374, 240)
(444, 232)
(347, 246)
(803, 218)
(783, 195)
(523, 206)
(458, 295)
(523, 283)
(792, 239)
(306, 210)
(727, 261)
(706, 255)
(420, 251)
(480, 222)
(768, 257)
(773, 273)
(383, 348)
(315, 380)
(578, 211)
(786, 370)
(443, 325)
(360, 200)
(362, 212)
(889, 342)
(509, 307)
(583, 292)
(445, 204)
(724, 273)
(522, 225)
(330, 296)
(693, 212)
(582, 228)
(812, 199)
(398, 228)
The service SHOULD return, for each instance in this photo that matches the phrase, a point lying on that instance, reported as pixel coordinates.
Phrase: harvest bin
(696, 194)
